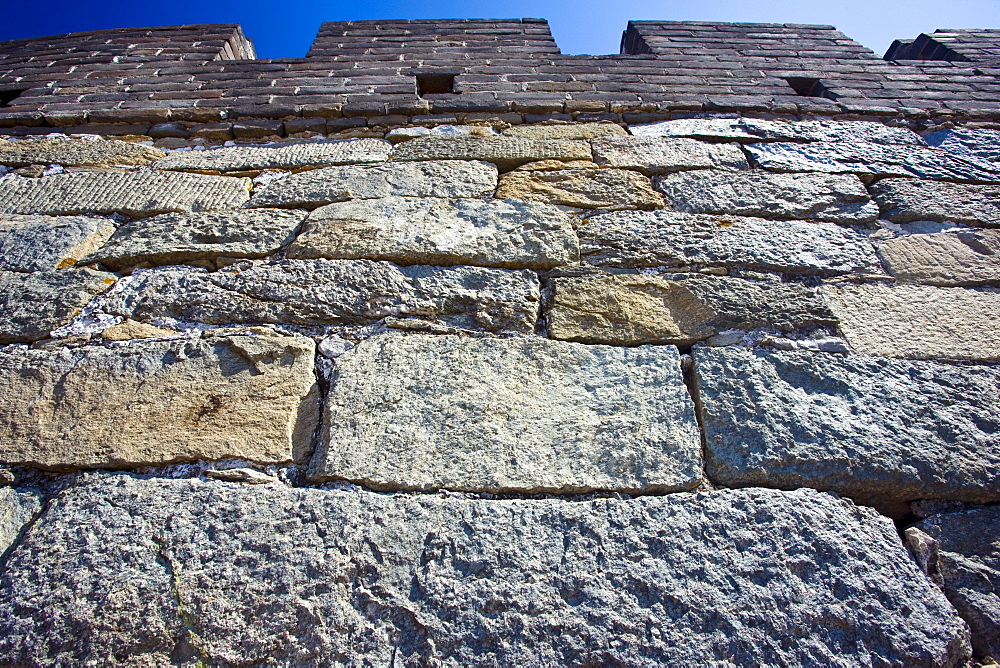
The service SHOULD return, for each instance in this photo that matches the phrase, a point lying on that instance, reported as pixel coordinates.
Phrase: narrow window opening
(8, 96)
(435, 84)
(807, 86)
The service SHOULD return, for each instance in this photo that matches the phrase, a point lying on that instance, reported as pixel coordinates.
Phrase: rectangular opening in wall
(807, 86)
(8, 96)
(439, 84)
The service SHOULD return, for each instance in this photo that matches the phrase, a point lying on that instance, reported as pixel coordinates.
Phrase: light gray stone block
(135, 194)
(447, 178)
(657, 155)
(329, 292)
(77, 153)
(426, 230)
(668, 238)
(756, 129)
(505, 152)
(878, 430)
(509, 415)
(40, 243)
(834, 198)
(289, 156)
(157, 402)
(32, 305)
(907, 200)
(968, 143)
(222, 573)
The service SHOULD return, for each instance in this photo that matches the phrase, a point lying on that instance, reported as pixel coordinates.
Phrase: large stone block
(32, 305)
(625, 309)
(879, 430)
(330, 292)
(966, 560)
(918, 321)
(17, 508)
(40, 243)
(907, 200)
(447, 178)
(509, 415)
(668, 238)
(657, 155)
(565, 131)
(135, 194)
(968, 143)
(224, 573)
(755, 129)
(611, 189)
(428, 230)
(77, 153)
(505, 152)
(869, 158)
(289, 156)
(969, 257)
(155, 402)
(175, 238)
(835, 198)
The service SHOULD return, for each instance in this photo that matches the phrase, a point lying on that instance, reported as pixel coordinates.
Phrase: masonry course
(439, 345)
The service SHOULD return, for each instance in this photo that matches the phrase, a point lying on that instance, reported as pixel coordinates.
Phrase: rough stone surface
(405, 134)
(794, 419)
(523, 414)
(77, 153)
(835, 198)
(131, 193)
(411, 230)
(154, 402)
(327, 292)
(39, 243)
(918, 321)
(32, 305)
(667, 238)
(17, 508)
(625, 309)
(907, 200)
(505, 152)
(752, 577)
(869, 158)
(565, 131)
(968, 565)
(968, 143)
(969, 257)
(657, 155)
(290, 156)
(756, 129)
(176, 238)
(612, 189)
(414, 179)
(132, 329)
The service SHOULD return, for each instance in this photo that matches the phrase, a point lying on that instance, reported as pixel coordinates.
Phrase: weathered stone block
(316, 187)
(509, 415)
(868, 158)
(77, 153)
(175, 238)
(968, 565)
(756, 129)
(625, 309)
(328, 292)
(154, 402)
(918, 321)
(833, 198)
(406, 134)
(969, 257)
(425, 230)
(40, 243)
(131, 193)
(611, 189)
(289, 156)
(565, 131)
(794, 419)
(505, 152)
(423, 579)
(907, 200)
(17, 508)
(667, 238)
(32, 305)
(656, 155)
(968, 143)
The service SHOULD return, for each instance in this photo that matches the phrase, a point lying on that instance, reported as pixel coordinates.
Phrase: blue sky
(285, 28)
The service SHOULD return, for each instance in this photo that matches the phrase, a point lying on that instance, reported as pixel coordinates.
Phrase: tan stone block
(612, 189)
(970, 257)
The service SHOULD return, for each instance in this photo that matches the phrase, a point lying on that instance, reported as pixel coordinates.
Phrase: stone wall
(715, 389)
